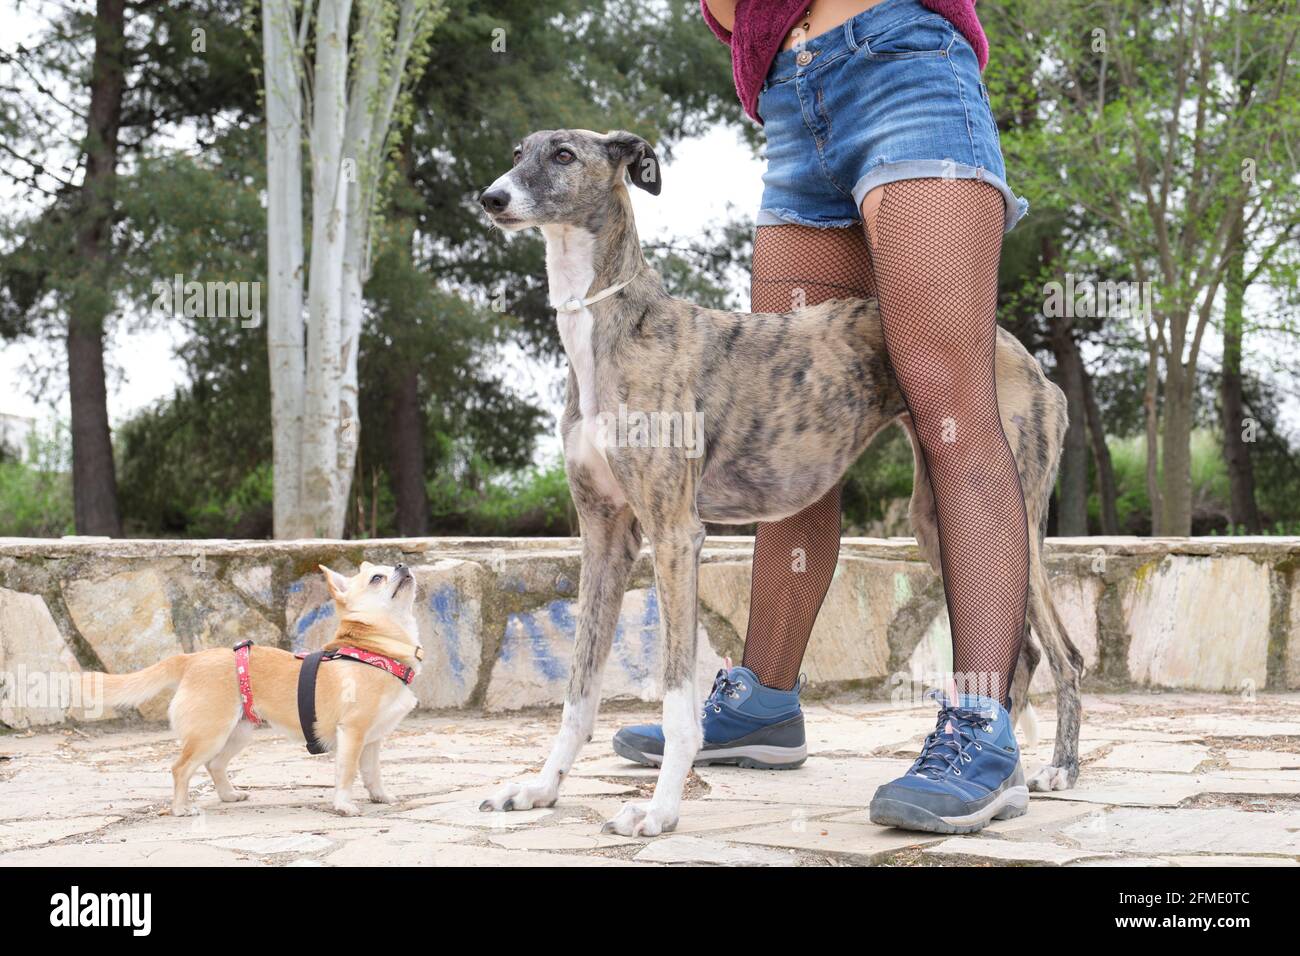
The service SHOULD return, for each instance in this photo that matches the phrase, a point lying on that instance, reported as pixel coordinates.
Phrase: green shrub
(881, 474)
(36, 491)
(532, 501)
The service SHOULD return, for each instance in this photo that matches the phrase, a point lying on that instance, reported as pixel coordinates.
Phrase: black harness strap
(307, 687)
(307, 700)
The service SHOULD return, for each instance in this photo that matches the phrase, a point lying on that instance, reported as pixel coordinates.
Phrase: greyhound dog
(789, 403)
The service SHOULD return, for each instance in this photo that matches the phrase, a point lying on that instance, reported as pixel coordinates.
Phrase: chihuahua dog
(356, 706)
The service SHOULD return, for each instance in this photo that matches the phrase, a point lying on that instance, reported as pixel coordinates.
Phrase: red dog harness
(245, 682)
(307, 682)
(396, 668)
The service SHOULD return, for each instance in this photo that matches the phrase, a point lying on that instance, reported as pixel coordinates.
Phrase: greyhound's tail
(1029, 724)
(130, 690)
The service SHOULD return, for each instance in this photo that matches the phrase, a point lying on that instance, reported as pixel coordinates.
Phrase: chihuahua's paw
(381, 796)
(522, 796)
(234, 796)
(346, 808)
(641, 819)
(188, 810)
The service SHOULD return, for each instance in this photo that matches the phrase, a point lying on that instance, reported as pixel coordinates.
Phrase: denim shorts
(894, 93)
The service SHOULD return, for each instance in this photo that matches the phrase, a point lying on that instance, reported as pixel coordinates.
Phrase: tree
(1148, 129)
(315, 420)
(60, 276)
(1238, 427)
(94, 482)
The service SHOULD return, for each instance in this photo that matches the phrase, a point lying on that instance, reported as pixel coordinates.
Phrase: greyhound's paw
(188, 810)
(640, 820)
(381, 796)
(522, 796)
(234, 796)
(346, 808)
(1052, 778)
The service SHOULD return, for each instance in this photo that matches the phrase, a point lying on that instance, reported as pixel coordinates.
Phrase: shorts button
(804, 58)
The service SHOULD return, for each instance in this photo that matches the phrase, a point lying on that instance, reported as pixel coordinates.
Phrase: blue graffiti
(524, 632)
(646, 632)
(650, 629)
(445, 604)
(305, 623)
(526, 624)
(561, 614)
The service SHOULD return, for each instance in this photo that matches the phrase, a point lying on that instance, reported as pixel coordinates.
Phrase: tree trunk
(317, 425)
(1072, 513)
(1106, 489)
(406, 454)
(1072, 519)
(285, 331)
(323, 491)
(94, 480)
(1151, 410)
(358, 185)
(380, 61)
(1236, 450)
(1176, 450)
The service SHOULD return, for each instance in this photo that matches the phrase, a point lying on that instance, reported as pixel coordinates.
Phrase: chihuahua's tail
(129, 690)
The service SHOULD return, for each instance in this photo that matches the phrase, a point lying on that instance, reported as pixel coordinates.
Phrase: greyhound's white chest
(575, 334)
(570, 270)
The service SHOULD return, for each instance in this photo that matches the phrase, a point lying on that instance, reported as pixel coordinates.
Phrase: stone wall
(497, 616)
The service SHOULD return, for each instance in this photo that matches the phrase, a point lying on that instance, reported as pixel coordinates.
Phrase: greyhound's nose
(495, 200)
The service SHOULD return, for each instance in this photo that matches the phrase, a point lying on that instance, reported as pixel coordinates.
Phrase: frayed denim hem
(787, 217)
(940, 169)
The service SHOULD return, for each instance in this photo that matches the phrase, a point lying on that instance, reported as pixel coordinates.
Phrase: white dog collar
(577, 305)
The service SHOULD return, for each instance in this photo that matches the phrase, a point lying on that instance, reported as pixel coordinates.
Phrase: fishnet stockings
(935, 246)
(795, 558)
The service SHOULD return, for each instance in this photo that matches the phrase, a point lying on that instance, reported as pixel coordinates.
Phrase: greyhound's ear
(639, 157)
(336, 582)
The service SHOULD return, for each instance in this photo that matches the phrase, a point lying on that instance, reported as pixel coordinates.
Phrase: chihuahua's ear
(337, 583)
(639, 157)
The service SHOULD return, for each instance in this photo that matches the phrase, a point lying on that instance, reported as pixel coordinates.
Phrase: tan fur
(356, 705)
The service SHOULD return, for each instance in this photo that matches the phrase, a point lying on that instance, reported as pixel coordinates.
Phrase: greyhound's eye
(563, 157)
(376, 579)
(518, 155)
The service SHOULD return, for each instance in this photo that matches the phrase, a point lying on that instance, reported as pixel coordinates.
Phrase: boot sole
(1010, 803)
(755, 757)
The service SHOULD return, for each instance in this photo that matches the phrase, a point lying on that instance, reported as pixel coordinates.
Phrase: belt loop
(849, 37)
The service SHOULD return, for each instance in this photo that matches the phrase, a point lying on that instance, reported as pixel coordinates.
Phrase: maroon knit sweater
(762, 25)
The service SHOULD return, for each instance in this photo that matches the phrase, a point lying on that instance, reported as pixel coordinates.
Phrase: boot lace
(945, 751)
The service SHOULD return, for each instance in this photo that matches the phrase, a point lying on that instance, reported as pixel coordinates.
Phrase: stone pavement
(1168, 780)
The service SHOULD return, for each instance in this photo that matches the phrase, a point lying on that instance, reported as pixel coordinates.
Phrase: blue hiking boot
(745, 724)
(968, 774)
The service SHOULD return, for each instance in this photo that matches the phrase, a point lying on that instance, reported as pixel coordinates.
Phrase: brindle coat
(787, 403)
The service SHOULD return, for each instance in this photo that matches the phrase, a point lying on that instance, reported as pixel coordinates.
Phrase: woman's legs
(935, 246)
(795, 558)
